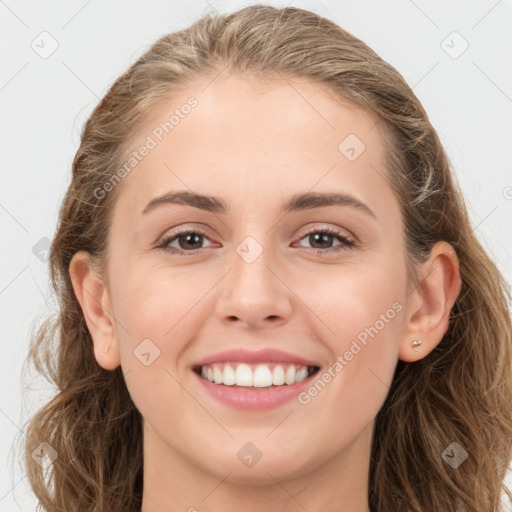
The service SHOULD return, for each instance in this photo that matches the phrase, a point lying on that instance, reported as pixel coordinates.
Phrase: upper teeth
(260, 375)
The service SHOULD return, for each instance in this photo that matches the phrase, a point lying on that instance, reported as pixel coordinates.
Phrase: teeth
(289, 377)
(301, 374)
(262, 377)
(259, 376)
(217, 375)
(243, 375)
(228, 376)
(278, 376)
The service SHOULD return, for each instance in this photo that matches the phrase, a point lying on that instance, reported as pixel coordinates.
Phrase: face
(258, 269)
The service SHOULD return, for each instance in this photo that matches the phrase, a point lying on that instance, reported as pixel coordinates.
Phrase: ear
(93, 296)
(430, 302)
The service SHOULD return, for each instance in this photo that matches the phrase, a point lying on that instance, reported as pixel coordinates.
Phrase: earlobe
(93, 296)
(430, 302)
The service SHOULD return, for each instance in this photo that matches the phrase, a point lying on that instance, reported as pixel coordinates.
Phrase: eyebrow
(297, 202)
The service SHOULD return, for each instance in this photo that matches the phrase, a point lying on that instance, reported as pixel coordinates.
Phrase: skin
(255, 144)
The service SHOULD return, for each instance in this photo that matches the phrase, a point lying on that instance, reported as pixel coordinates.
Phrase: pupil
(192, 239)
(324, 237)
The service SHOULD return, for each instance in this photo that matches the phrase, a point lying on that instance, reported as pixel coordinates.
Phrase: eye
(185, 242)
(189, 242)
(321, 240)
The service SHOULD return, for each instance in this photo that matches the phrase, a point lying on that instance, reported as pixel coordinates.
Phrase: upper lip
(266, 355)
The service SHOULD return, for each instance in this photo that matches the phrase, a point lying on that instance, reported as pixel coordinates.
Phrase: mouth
(254, 379)
(240, 375)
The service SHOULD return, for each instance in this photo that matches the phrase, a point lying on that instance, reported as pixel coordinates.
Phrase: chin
(266, 470)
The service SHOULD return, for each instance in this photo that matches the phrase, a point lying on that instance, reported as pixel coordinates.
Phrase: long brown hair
(461, 392)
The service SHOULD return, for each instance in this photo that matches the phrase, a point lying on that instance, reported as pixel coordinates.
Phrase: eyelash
(346, 243)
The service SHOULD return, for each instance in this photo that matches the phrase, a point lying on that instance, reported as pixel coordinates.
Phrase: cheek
(158, 317)
(151, 301)
(361, 313)
(153, 311)
(355, 302)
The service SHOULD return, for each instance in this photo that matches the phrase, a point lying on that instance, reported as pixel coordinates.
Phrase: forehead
(248, 137)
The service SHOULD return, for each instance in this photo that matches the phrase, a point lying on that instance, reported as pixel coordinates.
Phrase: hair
(460, 392)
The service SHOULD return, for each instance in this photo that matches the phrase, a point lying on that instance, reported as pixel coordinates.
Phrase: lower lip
(254, 398)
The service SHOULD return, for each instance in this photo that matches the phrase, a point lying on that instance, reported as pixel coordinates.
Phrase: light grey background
(45, 101)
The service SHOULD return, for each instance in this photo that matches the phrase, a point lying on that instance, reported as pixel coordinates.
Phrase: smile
(256, 375)
(254, 387)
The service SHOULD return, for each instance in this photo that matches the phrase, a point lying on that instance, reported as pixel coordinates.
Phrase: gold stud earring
(415, 344)
(106, 349)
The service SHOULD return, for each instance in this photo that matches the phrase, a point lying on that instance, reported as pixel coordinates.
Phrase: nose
(254, 294)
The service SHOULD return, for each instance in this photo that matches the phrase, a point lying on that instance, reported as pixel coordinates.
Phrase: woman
(271, 296)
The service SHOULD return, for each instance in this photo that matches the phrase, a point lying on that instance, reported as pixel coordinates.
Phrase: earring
(415, 344)
(106, 349)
